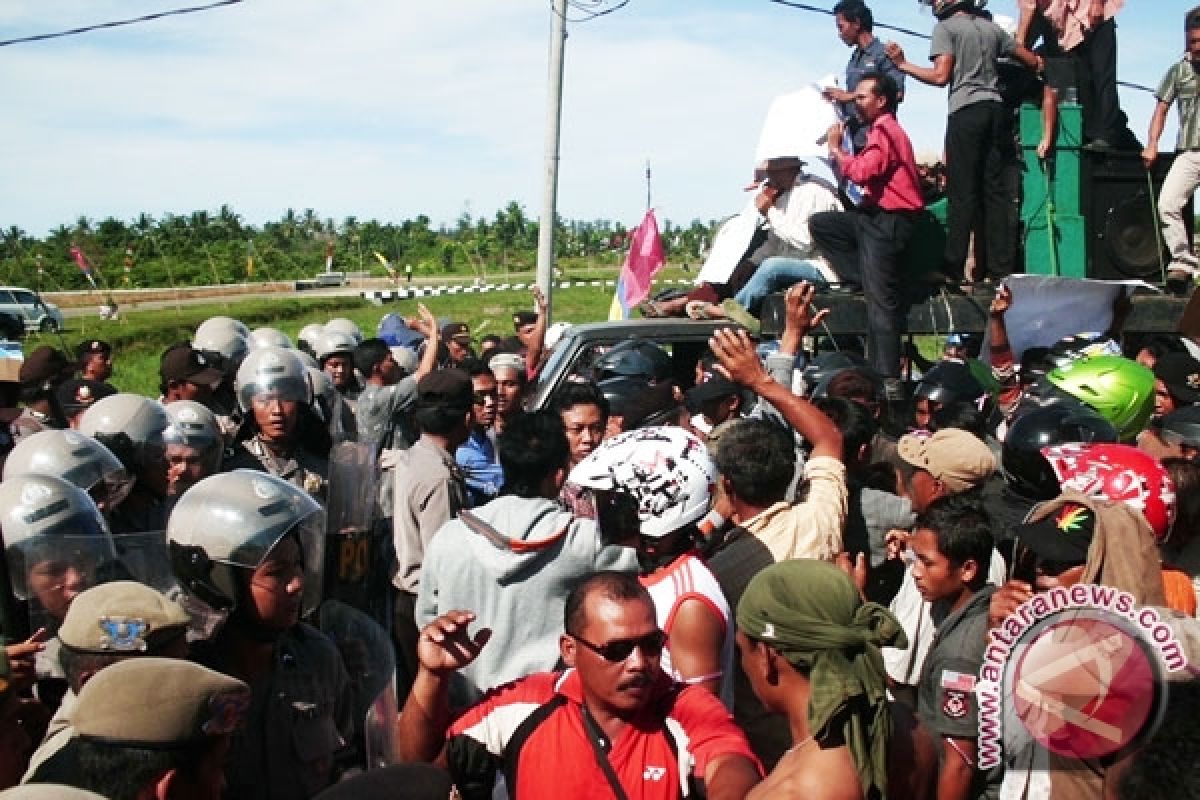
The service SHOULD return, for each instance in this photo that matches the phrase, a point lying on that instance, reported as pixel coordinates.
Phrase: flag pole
(648, 205)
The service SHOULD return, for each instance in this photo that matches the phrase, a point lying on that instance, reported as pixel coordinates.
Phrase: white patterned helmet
(666, 470)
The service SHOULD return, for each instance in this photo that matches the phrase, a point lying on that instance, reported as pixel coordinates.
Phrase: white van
(36, 314)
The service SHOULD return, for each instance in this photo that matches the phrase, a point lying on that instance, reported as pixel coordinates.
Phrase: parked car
(31, 309)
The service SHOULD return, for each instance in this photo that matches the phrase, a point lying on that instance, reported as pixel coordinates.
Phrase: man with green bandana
(809, 645)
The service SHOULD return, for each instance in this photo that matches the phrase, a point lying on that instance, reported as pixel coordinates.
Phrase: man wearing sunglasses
(611, 725)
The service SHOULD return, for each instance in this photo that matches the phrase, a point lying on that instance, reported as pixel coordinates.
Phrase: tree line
(219, 247)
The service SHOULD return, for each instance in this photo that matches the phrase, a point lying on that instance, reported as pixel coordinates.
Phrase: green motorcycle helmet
(1118, 389)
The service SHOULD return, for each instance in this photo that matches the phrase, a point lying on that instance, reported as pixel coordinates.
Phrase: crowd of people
(752, 583)
(771, 573)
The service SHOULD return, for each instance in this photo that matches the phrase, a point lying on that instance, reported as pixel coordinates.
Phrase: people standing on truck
(979, 137)
(1181, 85)
(855, 25)
(864, 246)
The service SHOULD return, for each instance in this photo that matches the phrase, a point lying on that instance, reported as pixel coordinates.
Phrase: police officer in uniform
(247, 547)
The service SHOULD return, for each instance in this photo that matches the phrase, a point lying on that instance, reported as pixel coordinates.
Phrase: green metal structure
(1054, 230)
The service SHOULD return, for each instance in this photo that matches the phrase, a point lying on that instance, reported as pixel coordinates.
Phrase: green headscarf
(811, 612)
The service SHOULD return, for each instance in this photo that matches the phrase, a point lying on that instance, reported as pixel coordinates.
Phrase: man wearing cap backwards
(107, 624)
(187, 374)
(1075, 539)
(153, 728)
(429, 490)
(1176, 383)
(810, 646)
(611, 725)
(94, 359)
(41, 373)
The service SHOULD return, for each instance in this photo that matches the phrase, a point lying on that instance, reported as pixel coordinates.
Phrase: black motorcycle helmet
(639, 402)
(950, 382)
(633, 357)
(826, 365)
(1025, 469)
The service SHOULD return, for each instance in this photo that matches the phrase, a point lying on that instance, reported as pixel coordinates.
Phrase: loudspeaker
(1122, 228)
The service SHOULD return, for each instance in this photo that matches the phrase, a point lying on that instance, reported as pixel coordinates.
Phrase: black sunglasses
(618, 650)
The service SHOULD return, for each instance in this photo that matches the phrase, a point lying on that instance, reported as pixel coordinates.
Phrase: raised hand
(738, 360)
(446, 645)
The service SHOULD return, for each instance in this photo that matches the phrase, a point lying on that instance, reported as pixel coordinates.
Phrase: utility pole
(545, 252)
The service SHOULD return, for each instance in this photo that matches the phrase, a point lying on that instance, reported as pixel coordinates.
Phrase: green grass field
(140, 337)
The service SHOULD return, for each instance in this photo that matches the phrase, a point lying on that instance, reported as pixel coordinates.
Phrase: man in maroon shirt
(864, 246)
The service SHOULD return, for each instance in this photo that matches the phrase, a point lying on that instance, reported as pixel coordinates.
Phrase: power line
(592, 9)
(917, 34)
(41, 37)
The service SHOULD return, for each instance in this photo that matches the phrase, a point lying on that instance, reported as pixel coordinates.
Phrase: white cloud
(388, 110)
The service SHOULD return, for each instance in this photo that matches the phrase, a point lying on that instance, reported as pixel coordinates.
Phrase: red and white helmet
(1121, 473)
(665, 469)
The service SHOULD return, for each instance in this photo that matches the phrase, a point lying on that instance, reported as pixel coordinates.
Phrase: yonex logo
(654, 773)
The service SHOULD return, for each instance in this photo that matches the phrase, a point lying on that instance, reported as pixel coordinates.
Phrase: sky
(390, 109)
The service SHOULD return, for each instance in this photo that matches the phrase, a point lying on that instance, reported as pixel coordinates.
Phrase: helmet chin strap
(666, 549)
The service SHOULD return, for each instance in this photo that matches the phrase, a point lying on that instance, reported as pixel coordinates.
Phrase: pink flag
(645, 258)
(84, 266)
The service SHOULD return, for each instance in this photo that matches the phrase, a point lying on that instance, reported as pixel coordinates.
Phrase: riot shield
(370, 661)
(351, 549)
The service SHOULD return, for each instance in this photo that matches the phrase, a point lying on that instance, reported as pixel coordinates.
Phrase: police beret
(45, 364)
(93, 346)
(122, 616)
(158, 703)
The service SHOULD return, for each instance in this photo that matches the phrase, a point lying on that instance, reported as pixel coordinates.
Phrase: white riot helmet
(228, 343)
(333, 343)
(130, 425)
(322, 388)
(232, 521)
(195, 426)
(306, 339)
(665, 470)
(307, 360)
(79, 459)
(268, 337)
(272, 370)
(343, 325)
(219, 324)
(51, 530)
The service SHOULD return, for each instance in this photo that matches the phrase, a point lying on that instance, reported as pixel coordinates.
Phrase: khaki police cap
(121, 617)
(48, 791)
(158, 703)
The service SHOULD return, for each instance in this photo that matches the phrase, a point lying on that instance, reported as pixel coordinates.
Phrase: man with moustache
(611, 724)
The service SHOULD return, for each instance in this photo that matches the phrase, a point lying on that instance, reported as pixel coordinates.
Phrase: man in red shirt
(864, 246)
(613, 717)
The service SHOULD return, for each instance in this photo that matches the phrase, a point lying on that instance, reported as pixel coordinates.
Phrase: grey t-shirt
(975, 43)
(379, 405)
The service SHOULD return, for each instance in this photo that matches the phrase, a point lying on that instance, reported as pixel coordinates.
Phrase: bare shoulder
(811, 774)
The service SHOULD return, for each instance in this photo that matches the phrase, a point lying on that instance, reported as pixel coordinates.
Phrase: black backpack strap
(600, 750)
(516, 742)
